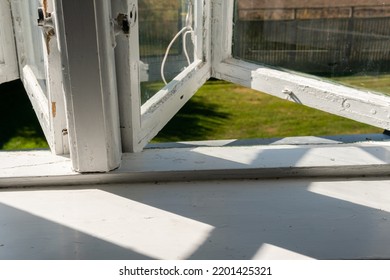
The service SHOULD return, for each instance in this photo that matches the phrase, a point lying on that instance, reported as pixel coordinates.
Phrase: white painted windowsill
(343, 156)
(301, 218)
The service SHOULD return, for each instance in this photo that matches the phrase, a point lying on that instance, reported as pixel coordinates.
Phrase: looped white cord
(186, 30)
(185, 44)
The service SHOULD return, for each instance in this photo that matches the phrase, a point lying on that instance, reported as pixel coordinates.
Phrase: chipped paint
(49, 33)
(123, 22)
(54, 109)
(46, 22)
(44, 3)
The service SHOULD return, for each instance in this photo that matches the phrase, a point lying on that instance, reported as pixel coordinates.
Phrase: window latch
(122, 24)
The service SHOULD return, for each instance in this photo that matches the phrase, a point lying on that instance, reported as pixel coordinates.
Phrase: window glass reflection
(345, 40)
(159, 23)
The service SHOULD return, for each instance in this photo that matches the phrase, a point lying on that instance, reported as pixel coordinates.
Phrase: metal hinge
(45, 20)
(122, 24)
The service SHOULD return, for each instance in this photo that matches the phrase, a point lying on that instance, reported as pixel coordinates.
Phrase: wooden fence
(317, 36)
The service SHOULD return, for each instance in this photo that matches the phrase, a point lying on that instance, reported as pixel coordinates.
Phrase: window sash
(93, 121)
(139, 124)
(48, 101)
(355, 104)
(88, 72)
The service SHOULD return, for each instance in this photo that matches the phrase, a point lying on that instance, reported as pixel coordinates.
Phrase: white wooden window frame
(89, 80)
(101, 80)
(47, 102)
(8, 61)
(359, 105)
(140, 123)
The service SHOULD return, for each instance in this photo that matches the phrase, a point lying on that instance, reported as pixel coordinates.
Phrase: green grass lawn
(219, 110)
(379, 84)
(19, 127)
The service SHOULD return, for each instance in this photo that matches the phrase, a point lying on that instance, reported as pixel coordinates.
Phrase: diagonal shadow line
(24, 236)
(296, 140)
(287, 215)
(217, 159)
(189, 123)
(379, 152)
(247, 215)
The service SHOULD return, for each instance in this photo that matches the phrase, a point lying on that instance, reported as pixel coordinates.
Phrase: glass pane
(346, 41)
(159, 23)
(33, 43)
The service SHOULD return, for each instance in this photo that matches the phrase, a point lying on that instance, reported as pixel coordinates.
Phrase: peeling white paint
(8, 59)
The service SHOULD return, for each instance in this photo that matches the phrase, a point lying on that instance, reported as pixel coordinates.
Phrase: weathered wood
(369, 12)
(336, 99)
(38, 101)
(56, 99)
(316, 40)
(314, 13)
(89, 83)
(272, 4)
(290, 10)
(40, 64)
(128, 74)
(8, 60)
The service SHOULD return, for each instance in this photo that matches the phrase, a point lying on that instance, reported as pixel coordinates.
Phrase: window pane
(347, 41)
(159, 23)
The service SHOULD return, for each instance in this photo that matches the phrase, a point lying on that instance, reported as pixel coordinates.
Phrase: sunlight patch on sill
(129, 224)
(272, 252)
(373, 198)
(298, 156)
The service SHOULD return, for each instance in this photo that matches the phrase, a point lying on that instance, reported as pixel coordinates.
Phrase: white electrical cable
(185, 44)
(167, 52)
(186, 30)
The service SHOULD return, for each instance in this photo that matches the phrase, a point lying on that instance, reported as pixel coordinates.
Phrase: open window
(309, 53)
(105, 77)
(40, 67)
(162, 59)
(314, 54)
